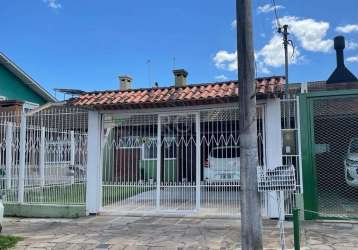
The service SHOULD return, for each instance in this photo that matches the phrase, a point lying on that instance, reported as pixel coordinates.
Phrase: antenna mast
(149, 72)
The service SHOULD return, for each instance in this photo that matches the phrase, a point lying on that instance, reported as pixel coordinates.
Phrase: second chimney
(180, 77)
(125, 82)
(341, 74)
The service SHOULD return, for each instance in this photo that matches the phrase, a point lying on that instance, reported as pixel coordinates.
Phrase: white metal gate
(43, 156)
(174, 163)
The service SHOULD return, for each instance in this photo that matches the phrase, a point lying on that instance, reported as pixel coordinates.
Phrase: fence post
(94, 174)
(72, 157)
(8, 163)
(42, 157)
(296, 228)
(22, 162)
(198, 160)
(158, 166)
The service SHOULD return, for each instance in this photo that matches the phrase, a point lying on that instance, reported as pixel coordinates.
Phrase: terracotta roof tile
(169, 96)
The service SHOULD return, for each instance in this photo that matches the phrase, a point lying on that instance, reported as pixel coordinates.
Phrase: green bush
(7, 241)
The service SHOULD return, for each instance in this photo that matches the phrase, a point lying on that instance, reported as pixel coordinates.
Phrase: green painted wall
(14, 89)
(149, 170)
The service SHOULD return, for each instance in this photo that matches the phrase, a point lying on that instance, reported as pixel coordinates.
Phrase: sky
(87, 44)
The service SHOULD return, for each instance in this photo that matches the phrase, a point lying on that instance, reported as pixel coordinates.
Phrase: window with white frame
(149, 148)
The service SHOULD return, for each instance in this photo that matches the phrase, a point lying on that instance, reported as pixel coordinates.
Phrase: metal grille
(129, 163)
(220, 155)
(9, 154)
(281, 178)
(43, 156)
(291, 148)
(197, 155)
(336, 155)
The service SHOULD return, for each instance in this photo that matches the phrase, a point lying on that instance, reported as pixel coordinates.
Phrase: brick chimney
(180, 77)
(125, 82)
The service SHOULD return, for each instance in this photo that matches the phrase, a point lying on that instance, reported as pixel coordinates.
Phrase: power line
(278, 25)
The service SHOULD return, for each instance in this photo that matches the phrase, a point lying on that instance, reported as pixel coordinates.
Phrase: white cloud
(273, 55)
(54, 4)
(233, 24)
(310, 33)
(226, 60)
(268, 8)
(353, 59)
(221, 78)
(351, 45)
(262, 68)
(347, 28)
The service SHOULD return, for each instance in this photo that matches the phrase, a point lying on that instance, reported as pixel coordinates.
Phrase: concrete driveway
(113, 232)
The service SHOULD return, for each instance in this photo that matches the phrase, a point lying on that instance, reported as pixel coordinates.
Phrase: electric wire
(278, 25)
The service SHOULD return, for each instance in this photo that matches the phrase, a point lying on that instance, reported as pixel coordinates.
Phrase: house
(175, 148)
(18, 89)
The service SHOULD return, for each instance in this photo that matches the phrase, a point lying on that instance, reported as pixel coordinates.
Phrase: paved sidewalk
(113, 232)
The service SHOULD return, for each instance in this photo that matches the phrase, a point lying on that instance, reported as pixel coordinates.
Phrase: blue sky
(86, 44)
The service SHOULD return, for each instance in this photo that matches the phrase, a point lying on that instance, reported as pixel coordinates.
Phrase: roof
(193, 94)
(323, 85)
(16, 70)
(8, 103)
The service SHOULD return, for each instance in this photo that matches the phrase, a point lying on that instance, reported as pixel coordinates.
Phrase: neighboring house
(17, 87)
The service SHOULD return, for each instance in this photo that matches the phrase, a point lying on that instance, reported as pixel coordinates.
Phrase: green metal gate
(329, 122)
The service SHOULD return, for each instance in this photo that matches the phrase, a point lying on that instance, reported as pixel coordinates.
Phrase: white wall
(273, 147)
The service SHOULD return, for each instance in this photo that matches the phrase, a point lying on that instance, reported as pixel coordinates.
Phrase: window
(130, 142)
(170, 151)
(223, 153)
(149, 148)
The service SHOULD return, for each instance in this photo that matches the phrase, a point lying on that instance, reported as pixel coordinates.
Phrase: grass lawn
(74, 194)
(113, 194)
(7, 242)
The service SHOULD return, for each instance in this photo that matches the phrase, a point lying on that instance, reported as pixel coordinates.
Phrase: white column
(198, 160)
(94, 168)
(159, 162)
(273, 148)
(8, 149)
(22, 163)
(42, 157)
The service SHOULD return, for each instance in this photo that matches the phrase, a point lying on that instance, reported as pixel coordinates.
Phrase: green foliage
(74, 194)
(7, 241)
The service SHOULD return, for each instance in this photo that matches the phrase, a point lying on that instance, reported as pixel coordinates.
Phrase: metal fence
(174, 163)
(43, 156)
(336, 155)
(291, 148)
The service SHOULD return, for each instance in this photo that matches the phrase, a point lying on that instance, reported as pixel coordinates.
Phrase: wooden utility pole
(251, 225)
